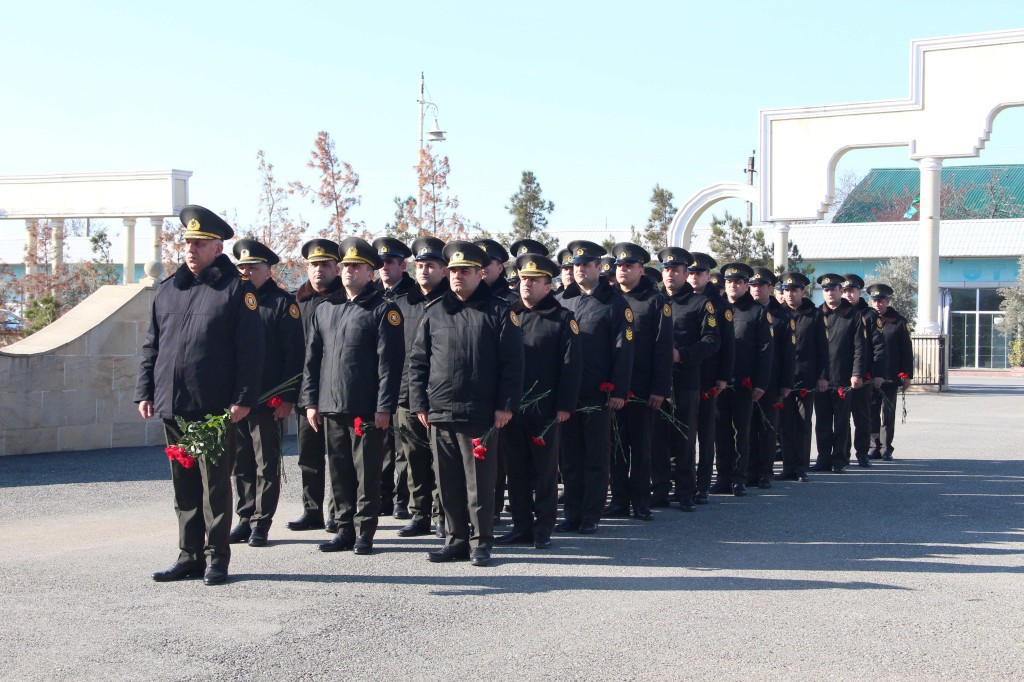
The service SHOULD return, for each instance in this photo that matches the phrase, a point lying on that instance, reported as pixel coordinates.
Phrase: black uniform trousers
(732, 434)
(684, 444)
(584, 460)
(258, 467)
(883, 417)
(661, 454)
(764, 425)
(394, 484)
(466, 483)
(424, 498)
(860, 411)
(532, 472)
(707, 412)
(202, 502)
(355, 463)
(796, 433)
(631, 456)
(831, 427)
(313, 465)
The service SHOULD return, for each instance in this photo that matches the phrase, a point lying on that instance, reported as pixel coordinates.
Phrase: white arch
(681, 229)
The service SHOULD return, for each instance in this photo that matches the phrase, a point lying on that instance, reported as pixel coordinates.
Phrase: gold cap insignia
(606, 266)
(319, 251)
(733, 271)
(531, 265)
(424, 251)
(457, 256)
(623, 255)
(522, 250)
(193, 225)
(579, 252)
(383, 249)
(789, 280)
(245, 253)
(352, 252)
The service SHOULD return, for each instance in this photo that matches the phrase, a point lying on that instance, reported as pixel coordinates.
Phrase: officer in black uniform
(718, 282)
(465, 383)
(650, 384)
(350, 382)
(396, 283)
(608, 267)
(653, 274)
(715, 371)
(900, 365)
(494, 271)
(751, 372)
(847, 337)
(494, 277)
(553, 366)
(512, 277)
(258, 437)
(606, 333)
(874, 372)
(810, 365)
(324, 280)
(565, 280)
(431, 284)
(696, 338)
(764, 423)
(203, 355)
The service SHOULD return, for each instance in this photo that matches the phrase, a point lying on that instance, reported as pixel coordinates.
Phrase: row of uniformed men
(451, 350)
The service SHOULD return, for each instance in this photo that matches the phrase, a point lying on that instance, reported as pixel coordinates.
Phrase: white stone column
(781, 247)
(30, 250)
(928, 247)
(157, 226)
(57, 227)
(129, 250)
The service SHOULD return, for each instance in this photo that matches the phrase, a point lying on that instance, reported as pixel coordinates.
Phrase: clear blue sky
(600, 100)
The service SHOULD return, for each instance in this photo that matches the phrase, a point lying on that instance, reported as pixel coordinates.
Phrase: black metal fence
(930, 361)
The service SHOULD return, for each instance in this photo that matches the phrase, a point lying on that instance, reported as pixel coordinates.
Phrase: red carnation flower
(903, 375)
(841, 392)
(629, 395)
(275, 401)
(479, 451)
(778, 406)
(867, 377)
(705, 395)
(359, 426)
(606, 387)
(539, 442)
(803, 392)
(178, 454)
(747, 383)
(477, 442)
(713, 392)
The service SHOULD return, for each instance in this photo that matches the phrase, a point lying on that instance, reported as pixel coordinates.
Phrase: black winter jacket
(412, 303)
(283, 341)
(204, 349)
(754, 348)
(811, 346)
(467, 360)
(652, 343)
(696, 335)
(606, 330)
(354, 355)
(877, 357)
(784, 345)
(847, 343)
(719, 366)
(553, 363)
(898, 346)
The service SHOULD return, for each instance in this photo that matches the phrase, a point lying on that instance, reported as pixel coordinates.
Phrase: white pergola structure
(129, 196)
(958, 85)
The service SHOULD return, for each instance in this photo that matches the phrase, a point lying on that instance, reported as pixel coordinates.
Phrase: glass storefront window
(974, 340)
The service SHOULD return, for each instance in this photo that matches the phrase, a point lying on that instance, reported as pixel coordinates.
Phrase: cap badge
(623, 255)
(531, 266)
(523, 249)
(245, 253)
(580, 252)
(424, 251)
(789, 280)
(319, 251)
(383, 249)
(352, 252)
(193, 225)
(457, 256)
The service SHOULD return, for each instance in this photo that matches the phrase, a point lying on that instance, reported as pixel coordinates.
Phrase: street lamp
(435, 135)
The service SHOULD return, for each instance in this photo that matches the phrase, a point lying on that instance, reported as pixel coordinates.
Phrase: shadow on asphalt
(92, 466)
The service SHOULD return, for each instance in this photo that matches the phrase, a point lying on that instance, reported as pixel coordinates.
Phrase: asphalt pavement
(908, 570)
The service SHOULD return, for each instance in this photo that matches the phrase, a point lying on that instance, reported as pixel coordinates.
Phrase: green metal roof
(968, 192)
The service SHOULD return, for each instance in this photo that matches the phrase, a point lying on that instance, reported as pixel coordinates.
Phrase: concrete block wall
(71, 385)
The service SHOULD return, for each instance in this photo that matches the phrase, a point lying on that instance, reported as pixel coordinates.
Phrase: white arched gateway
(681, 229)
